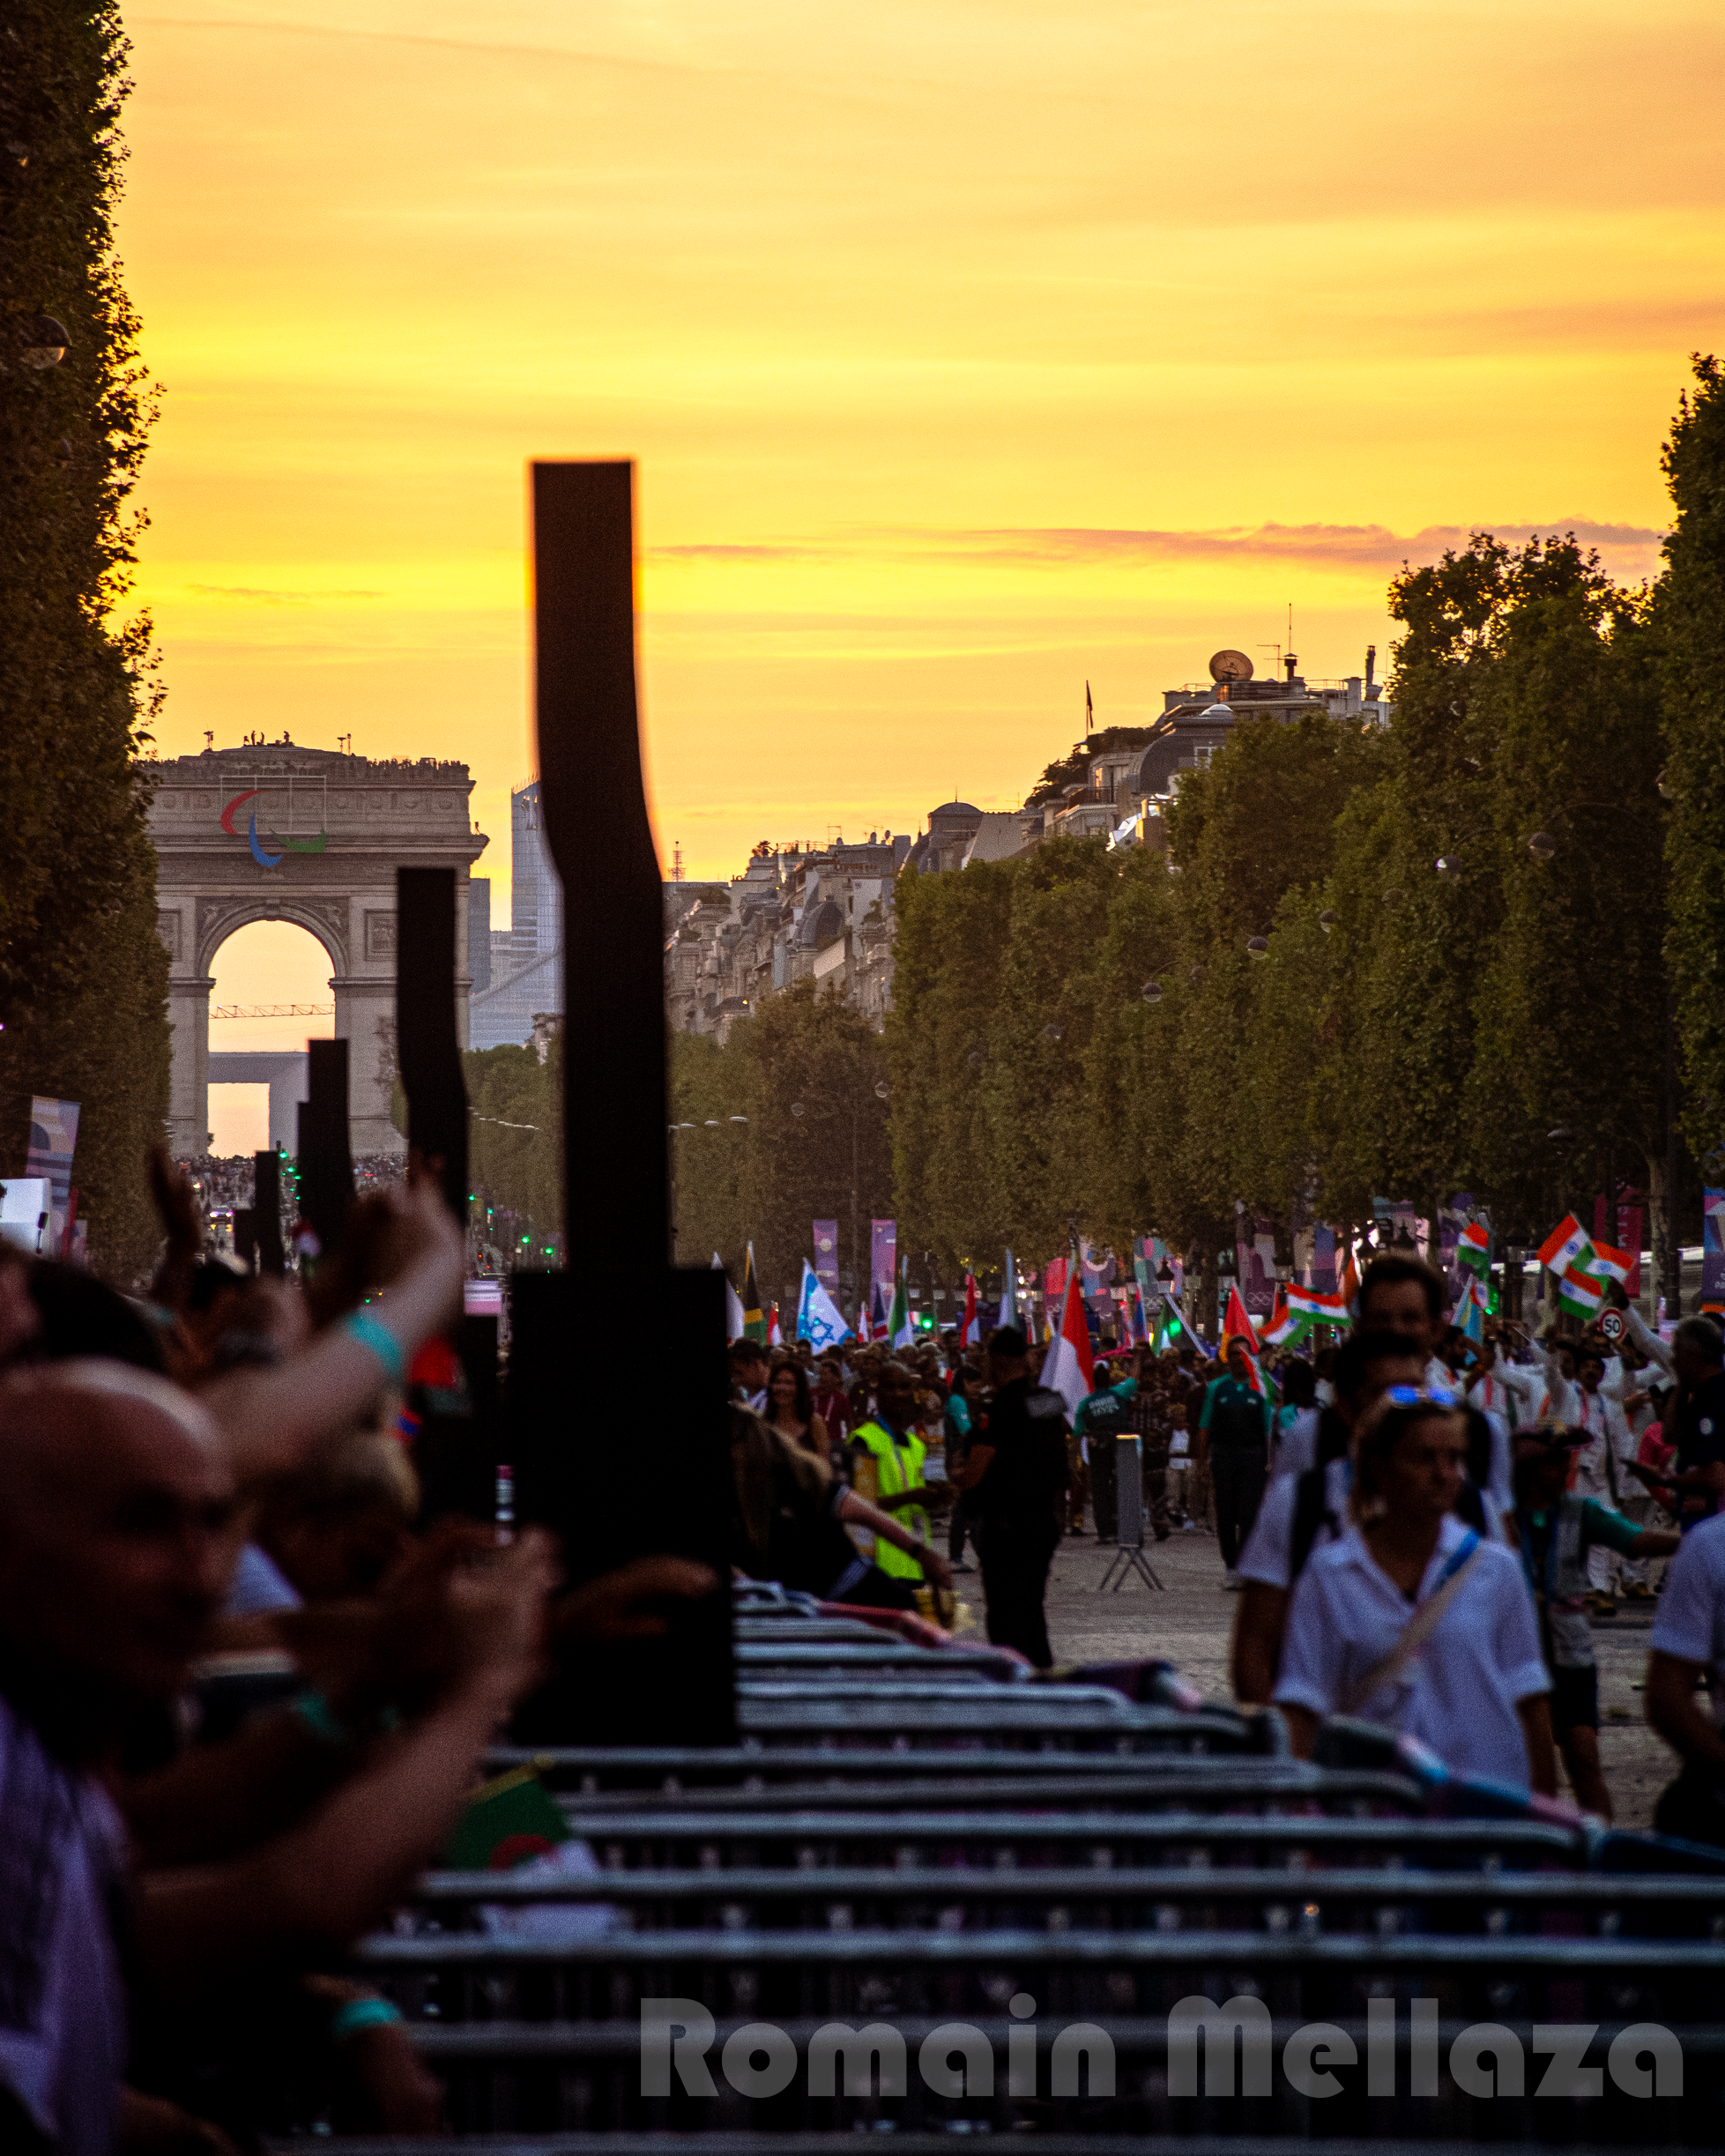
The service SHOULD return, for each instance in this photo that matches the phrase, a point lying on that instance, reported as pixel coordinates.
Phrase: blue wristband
(358, 2014)
(382, 1342)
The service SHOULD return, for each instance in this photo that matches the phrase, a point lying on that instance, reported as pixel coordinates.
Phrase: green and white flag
(900, 1330)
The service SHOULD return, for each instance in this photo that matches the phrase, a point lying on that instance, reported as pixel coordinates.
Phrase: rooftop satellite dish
(1230, 666)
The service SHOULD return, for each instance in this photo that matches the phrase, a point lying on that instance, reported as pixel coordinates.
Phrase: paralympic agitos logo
(287, 845)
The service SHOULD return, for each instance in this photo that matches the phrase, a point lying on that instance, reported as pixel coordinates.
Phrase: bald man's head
(116, 1524)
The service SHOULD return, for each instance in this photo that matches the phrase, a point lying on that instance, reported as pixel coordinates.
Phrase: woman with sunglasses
(1412, 1619)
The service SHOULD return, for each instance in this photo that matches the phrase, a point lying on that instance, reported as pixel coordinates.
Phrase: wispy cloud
(250, 595)
(1364, 546)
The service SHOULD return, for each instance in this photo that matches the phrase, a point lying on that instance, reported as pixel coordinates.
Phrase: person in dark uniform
(1017, 1472)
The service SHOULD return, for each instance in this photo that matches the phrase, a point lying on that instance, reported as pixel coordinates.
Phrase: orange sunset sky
(968, 350)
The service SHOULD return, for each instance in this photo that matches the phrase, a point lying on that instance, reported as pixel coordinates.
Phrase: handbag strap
(1419, 1629)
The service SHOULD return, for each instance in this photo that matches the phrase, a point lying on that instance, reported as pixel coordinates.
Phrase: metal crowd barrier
(927, 1894)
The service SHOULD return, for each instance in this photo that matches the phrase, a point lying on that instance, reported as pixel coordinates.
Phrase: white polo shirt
(1459, 1692)
(1690, 1622)
(1269, 1548)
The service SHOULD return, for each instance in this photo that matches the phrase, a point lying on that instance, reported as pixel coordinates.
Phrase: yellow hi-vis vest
(897, 1468)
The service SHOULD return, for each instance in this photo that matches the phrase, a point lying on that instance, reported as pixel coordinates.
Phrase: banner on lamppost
(1713, 1244)
(826, 1255)
(53, 1141)
(883, 1255)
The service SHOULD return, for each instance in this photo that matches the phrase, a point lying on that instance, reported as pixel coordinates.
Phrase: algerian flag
(1579, 1293)
(754, 1317)
(900, 1330)
(819, 1320)
(1564, 1246)
(1474, 1249)
(1610, 1263)
(733, 1309)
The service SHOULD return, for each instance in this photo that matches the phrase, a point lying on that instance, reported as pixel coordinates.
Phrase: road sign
(1611, 1325)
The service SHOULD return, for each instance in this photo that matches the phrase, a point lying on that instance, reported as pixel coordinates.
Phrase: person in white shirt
(1290, 1525)
(1508, 1389)
(1600, 1465)
(1414, 1620)
(1688, 1644)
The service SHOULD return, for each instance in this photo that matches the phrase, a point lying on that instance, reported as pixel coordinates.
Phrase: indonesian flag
(1564, 1246)
(1070, 1369)
(1474, 1249)
(971, 1332)
(1613, 1264)
(1579, 1293)
(1236, 1326)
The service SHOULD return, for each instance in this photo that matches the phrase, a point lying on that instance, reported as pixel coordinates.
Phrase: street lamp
(1258, 946)
(1542, 845)
(1152, 992)
(1326, 919)
(1449, 868)
(41, 341)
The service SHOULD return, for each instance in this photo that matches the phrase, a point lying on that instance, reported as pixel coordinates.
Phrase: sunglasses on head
(1421, 1396)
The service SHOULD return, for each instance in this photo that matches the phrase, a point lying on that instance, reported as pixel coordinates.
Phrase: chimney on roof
(1290, 663)
(1371, 666)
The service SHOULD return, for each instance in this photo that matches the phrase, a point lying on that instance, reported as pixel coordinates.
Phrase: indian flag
(1474, 1249)
(1579, 1293)
(1348, 1294)
(1283, 1322)
(1564, 1246)
(1314, 1304)
(1611, 1263)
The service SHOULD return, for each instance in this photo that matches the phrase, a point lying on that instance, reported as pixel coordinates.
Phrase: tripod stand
(1128, 1559)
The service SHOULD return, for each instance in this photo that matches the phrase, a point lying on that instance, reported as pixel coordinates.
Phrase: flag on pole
(1283, 1320)
(1469, 1312)
(1315, 1305)
(1564, 1246)
(775, 1338)
(901, 1332)
(733, 1309)
(969, 1333)
(1138, 1324)
(1236, 1325)
(1579, 1293)
(1089, 709)
(1348, 1289)
(820, 1322)
(1473, 1247)
(863, 1331)
(1009, 1295)
(754, 1317)
(1070, 1369)
(1608, 1262)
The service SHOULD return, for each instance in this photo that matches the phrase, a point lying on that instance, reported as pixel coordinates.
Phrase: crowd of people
(1422, 1529)
(219, 1474)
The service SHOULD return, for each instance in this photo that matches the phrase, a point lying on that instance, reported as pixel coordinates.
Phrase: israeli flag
(819, 1319)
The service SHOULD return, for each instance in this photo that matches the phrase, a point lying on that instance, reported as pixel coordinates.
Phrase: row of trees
(1479, 949)
(82, 977)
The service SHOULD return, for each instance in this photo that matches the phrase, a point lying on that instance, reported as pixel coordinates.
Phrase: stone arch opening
(258, 1065)
(275, 832)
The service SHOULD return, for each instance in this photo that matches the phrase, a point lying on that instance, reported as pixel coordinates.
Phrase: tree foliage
(1361, 981)
(83, 976)
(803, 1071)
(515, 1151)
(1689, 619)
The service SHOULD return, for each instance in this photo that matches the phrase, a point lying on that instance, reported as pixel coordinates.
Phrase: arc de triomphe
(273, 832)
